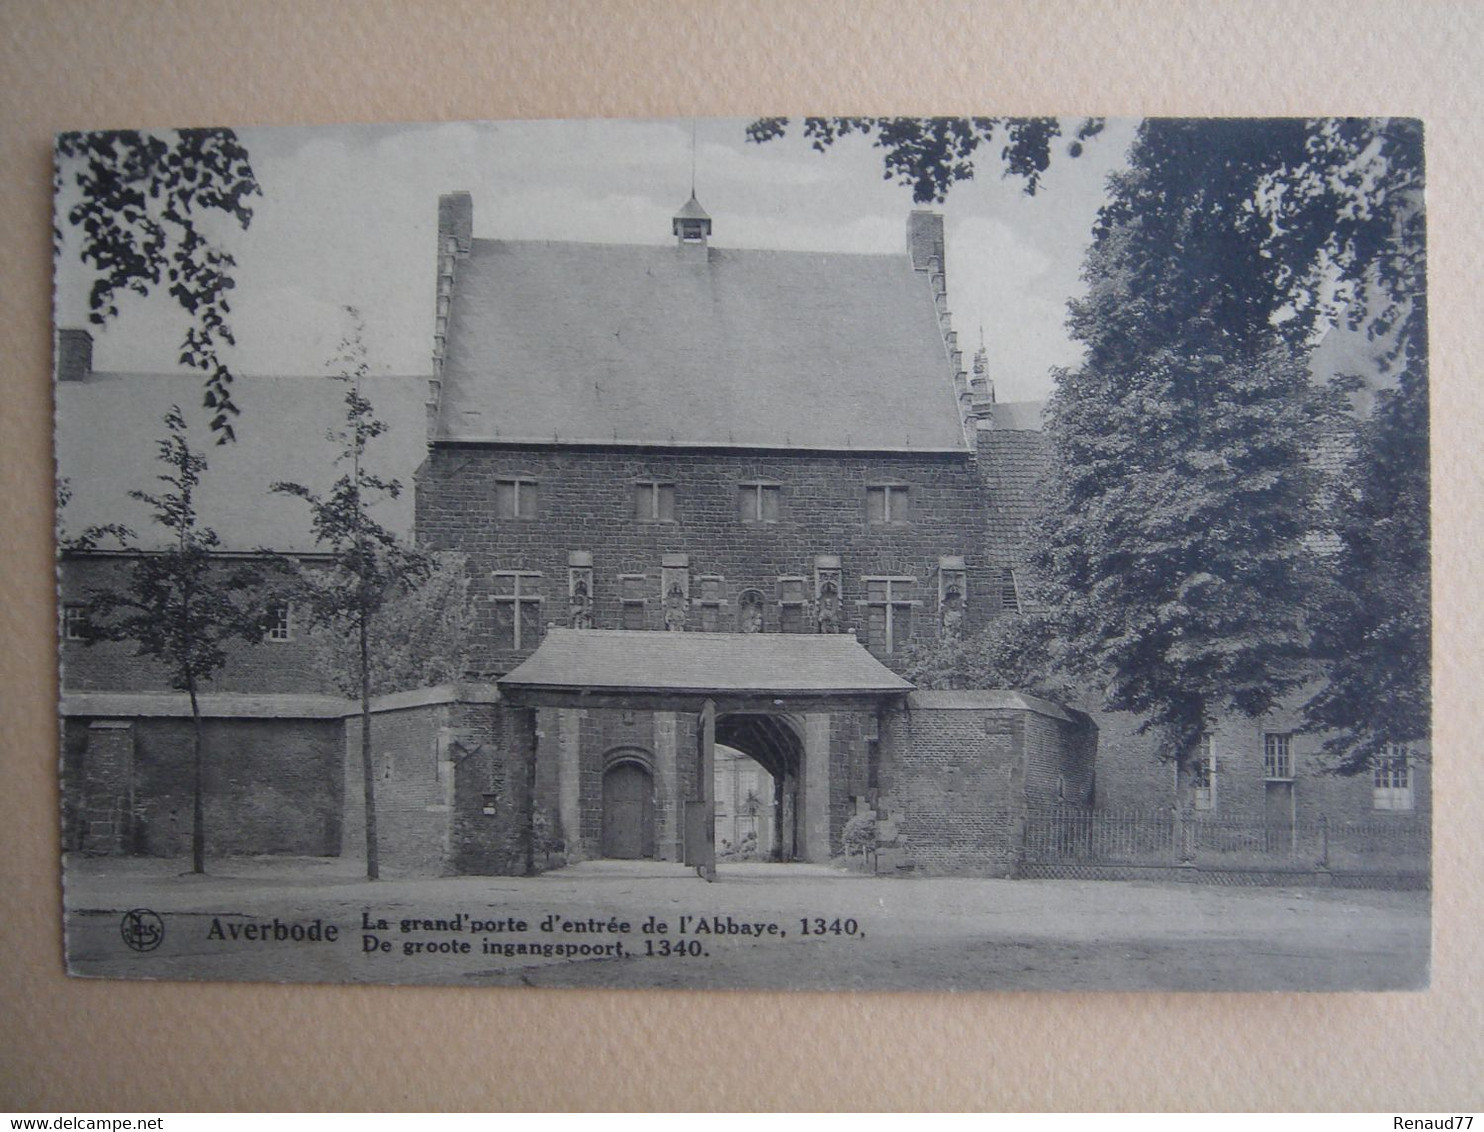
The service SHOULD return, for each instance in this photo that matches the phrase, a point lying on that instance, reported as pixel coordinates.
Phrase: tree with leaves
(368, 564)
(1187, 490)
(1011, 651)
(143, 197)
(181, 606)
(933, 154)
(1185, 442)
(420, 638)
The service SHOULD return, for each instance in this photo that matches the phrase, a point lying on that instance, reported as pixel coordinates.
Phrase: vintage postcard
(812, 553)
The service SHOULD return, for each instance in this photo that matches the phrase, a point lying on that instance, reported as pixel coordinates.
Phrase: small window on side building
(1391, 779)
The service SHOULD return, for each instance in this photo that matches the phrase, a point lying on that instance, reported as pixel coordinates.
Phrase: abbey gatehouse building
(709, 498)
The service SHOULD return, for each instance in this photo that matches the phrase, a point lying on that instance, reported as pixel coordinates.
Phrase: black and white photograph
(798, 553)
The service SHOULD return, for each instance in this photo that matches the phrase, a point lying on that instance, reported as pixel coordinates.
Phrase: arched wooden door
(628, 811)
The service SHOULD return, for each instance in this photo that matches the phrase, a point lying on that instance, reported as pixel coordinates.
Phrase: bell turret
(692, 224)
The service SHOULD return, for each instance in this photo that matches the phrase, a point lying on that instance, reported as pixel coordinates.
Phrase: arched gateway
(805, 707)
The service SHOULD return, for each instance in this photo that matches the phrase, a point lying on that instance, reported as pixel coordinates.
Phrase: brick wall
(438, 754)
(1132, 776)
(586, 503)
(273, 666)
(491, 798)
(956, 775)
(271, 785)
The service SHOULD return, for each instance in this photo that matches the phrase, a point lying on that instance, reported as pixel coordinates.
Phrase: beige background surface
(76, 1045)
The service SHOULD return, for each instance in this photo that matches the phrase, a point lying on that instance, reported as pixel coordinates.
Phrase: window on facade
(791, 605)
(75, 625)
(1203, 774)
(888, 604)
(517, 498)
(631, 589)
(654, 501)
(758, 502)
(1277, 756)
(888, 503)
(517, 609)
(1391, 779)
(280, 623)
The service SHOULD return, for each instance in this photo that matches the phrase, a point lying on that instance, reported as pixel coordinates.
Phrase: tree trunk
(198, 803)
(368, 777)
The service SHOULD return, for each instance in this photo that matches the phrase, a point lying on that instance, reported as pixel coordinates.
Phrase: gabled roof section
(752, 664)
(573, 343)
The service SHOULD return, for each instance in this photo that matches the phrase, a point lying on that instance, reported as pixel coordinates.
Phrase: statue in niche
(580, 609)
(750, 612)
(951, 615)
(675, 608)
(829, 608)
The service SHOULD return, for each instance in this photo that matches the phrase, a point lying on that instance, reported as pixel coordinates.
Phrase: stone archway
(774, 742)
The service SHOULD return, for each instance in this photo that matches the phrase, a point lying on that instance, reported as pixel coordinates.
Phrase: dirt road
(760, 926)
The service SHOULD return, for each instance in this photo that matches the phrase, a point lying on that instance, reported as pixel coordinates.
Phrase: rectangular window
(759, 502)
(888, 503)
(1277, 757)
(517, 609)
(888, 604)
(280, 623)
(791, 605)
(1203, 774)
(631, 593)
(654, 501)
(1391, 779)
(75, 623)
(516, 498)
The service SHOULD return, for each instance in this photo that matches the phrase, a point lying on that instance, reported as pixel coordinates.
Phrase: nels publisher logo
(142, 929)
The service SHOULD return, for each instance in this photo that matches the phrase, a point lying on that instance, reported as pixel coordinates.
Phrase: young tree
(367, 564)
(143, 197)
(181, 605)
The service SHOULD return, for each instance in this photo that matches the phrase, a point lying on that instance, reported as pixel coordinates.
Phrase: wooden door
(628, 812)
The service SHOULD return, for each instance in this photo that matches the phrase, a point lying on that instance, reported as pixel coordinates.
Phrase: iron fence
(1063, 834)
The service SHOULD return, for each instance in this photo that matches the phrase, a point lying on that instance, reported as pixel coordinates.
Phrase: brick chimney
(925, 239)
(456, 219)
(455, 235)
(74, 356)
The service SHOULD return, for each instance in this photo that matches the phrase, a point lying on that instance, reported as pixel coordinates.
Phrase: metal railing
(1174, 836)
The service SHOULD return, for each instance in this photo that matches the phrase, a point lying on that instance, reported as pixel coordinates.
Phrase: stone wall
(959, 767)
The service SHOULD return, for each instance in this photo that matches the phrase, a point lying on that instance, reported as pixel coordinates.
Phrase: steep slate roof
(107, 426)
(1016, 474)
(992, 699)
(612, 660)
(603, 343)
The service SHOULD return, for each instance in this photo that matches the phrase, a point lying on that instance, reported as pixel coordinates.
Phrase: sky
(348, 218)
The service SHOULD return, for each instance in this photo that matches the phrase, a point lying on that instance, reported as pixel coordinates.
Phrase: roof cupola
(692, 224)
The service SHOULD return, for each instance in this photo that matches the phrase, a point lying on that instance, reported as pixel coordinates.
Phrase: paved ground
(830, 929)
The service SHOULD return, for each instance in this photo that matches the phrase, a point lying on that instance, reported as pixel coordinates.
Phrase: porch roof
(727, 665)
